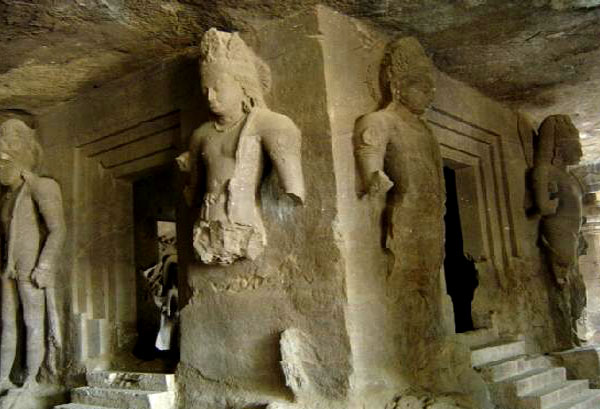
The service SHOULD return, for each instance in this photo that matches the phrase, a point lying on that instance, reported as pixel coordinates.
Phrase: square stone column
(232, 326)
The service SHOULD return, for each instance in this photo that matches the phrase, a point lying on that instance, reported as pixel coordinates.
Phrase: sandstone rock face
(347, 305)
(539, 56)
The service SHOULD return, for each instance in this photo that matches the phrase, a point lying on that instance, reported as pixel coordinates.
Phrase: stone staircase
(124, 390)
(521, 381)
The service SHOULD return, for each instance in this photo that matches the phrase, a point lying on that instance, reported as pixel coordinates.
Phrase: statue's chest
(411, 139)
(220, 146)
(7, 204)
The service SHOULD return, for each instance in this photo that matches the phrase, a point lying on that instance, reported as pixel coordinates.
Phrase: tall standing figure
(227, 153)
(32, 229)
(399, 157)
(558, 198)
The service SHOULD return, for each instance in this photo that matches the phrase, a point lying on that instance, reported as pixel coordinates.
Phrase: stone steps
(132, 380)
(499, 371)
(519, 381)
(587, 400)
(124, 390)
(535, 379)
(553, 394)
(123, 398)
(496, 352)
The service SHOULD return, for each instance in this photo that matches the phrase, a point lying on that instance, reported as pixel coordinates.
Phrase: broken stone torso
(230, 225)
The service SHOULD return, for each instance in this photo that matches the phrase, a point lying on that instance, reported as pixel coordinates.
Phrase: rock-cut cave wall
(321, 288)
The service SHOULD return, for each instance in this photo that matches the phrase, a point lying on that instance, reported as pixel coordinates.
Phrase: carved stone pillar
(589, 264)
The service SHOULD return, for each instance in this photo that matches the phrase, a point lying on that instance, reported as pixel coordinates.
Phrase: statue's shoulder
(43, 186)
(200, 134)
(266, 121)
(373, 119)
(44, 182)
(203, 129)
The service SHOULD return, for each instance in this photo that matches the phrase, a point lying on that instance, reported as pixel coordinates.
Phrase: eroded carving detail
(33, 231)
(558, 199)
(399, 162)
(396, 152)
(226, 154)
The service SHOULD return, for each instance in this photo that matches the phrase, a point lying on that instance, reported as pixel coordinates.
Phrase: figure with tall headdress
(227, 154)
(33, 230)
(399, 158)
(558, 200)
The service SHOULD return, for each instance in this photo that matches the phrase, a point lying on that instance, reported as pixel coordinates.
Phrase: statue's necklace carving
(227, 128)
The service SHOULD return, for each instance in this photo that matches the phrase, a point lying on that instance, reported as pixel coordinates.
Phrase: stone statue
(396, 151)
(226, 154)
(33, 230)
(398, 156)
(558, 199)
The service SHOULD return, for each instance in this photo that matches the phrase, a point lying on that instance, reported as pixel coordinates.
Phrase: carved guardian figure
(32, 231)
(226, 154)
(558, 198)
(399, 158)
(398, 155)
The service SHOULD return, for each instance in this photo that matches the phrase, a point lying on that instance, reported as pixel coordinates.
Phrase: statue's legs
(8, 340)
(560, 238)
(561, 252)
(33, 302)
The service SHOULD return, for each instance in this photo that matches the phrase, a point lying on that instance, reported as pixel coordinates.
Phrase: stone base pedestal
(43, 397)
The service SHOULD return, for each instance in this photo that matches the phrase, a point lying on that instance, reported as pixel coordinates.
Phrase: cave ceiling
(539, 56)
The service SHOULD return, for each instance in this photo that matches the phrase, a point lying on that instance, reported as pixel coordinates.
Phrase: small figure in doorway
(162, 279)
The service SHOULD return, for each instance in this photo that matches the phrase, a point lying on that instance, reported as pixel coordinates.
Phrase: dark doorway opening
(461, 274)
(156, 271)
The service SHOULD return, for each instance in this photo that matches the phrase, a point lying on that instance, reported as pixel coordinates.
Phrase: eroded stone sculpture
(399, 158)
(32, 231)
(395, 149)
(226, 154)
(397, 153)
(558, 198)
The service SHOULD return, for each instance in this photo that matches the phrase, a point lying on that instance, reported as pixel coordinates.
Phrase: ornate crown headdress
(228, 52)
(405, 58)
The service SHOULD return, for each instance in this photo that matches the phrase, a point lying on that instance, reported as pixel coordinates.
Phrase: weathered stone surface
(132, 380)
(558, 200)
(227, 154)
(519, 380)
(319, 319)
(541, 55)
(582, 363)
(42, 398)
(298, 281)
(123, 398)
(33, 235)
